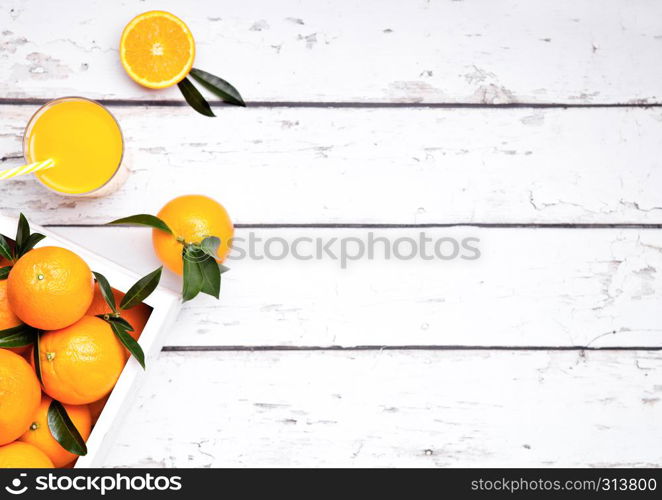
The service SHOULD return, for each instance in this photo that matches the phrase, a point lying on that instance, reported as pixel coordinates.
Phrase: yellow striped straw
(26, 169)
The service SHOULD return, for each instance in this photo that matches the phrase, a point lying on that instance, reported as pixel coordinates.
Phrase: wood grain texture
(422, 409)
(373, 165)
(530, 287)
(484, 52)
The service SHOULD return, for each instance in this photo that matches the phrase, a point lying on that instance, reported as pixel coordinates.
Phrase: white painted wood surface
(423, 409)
(304, 162)
(477, 51)
(530, 287)
(374, 165)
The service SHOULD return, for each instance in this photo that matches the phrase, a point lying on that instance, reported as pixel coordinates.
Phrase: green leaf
(5, 249)
(35, 354)
(194, 98)
(30, 243)
(218, 86)
(18, 336)
(192, 277)
(24, 240)
(117, 319)
(4, 272)
(141, 289)
(106, 291)
(144, 220)
(201, 273)
(64, 431)
(129, 342)
(211, 277)
(210, 246)
(22, 234)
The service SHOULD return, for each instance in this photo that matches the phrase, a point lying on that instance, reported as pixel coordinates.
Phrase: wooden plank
(374, 165)
(422, 409)
(530, 287)
(549, 51)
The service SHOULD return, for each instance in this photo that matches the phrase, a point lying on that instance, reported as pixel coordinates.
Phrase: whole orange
(50, 288)
(7, 317)
(82, 362)
(40, 435)
(19, 395)
(19, 455)
(192, 218)
(137, 316)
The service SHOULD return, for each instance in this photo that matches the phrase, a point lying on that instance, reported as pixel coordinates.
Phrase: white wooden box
(165, 306)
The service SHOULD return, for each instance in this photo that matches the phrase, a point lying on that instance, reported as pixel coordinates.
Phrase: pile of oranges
(78, 357)
(73, 350)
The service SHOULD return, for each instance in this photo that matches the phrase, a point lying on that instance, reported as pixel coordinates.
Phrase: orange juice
(83, 139)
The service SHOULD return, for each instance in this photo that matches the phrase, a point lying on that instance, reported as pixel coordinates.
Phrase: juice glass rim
(35, 117)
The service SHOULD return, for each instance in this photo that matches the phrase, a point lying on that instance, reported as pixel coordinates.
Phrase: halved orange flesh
(157, 49)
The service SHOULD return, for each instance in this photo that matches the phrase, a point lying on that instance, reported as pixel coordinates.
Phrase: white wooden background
(532, 125)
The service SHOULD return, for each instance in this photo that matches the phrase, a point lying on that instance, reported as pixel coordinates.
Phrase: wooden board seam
(487, 225)
(278, 348)
(29, 101)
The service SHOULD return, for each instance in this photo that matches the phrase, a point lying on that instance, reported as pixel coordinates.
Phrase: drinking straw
(26, 169)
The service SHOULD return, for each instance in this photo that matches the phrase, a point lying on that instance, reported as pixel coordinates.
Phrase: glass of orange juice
(84, 140)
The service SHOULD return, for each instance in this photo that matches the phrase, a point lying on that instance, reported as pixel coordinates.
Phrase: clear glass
(110, 185)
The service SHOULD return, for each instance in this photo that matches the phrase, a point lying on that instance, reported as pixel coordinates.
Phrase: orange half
(157, 49)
